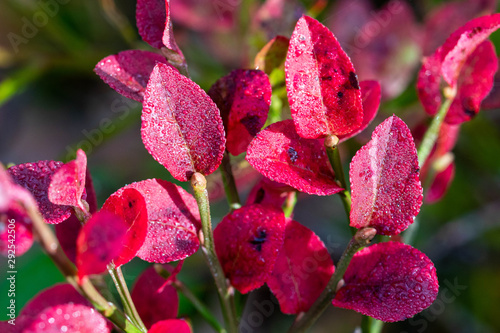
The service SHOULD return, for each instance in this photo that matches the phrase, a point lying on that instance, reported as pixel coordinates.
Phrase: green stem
(371, 325)
(128, 305)
(232, 196)
(432, 133)
(360, 239)
(19, 80)
(51, 246)
(290, 202)
(226, 291)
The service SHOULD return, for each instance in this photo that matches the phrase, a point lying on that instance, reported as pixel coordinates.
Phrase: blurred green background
(51, 102)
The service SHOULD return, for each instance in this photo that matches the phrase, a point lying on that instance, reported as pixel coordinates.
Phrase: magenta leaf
(36, 178)
(151, 17)
(181, 126)
(301, 272)
(168, 38)
(280, 154)
(440, 184)
(69, 318)
(272, 55)
(429, 84)
(247, 242)
(68, 183)
(474, 83)
(128, 71)
(243, 98)
(388, 281)
(173, 221)
(384, 174)
(131, 206)
(268, 192)
(322, 86)
(100, 242)
(370, 95)
(171, 326)
(154, 302)
(15, 222)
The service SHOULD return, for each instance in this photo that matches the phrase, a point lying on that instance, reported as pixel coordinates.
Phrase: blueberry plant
(194, 133)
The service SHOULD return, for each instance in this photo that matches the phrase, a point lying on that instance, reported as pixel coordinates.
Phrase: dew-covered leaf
(36, 178)
(69, 318)
(131, 206)
(384, 174)
(243, 98)
(272, 55)
(322, 86)
(100, 242)
(370, 95)
(268, 192)
(301, 272)
(247, 242)
(15, 221)
(128, 71)
(154, 300)
(150, 18)
(388, 281)
(474, 83)
(173, 221)
(171, 326)
(429, 84)
(181, 126)
(68, 183)
(280, 154)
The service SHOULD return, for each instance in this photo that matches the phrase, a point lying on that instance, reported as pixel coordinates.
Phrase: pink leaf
(474, 83)
(388, 281)
(128, 72)
(272, 55)
(181, 126)
(150, 18)
(269, 192)
(247, 242)
(174, 221)
(280, 154)
(301, 272)
(322, 87)
(384, 174)
(69, 318)
(463, 42)
(68, 183)
(153, 301)
(440, 184)
(131, 206)
(15, 222)
(370, 95)
(36, 178)
(168, 38)
(243, 98)
(100, 242)
(171, 326)
(429, 84)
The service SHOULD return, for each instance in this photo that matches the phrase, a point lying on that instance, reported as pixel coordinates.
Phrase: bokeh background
(51, 102)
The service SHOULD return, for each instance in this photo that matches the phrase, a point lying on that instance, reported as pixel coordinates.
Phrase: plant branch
(225, 290)
(359, 240)
(371, 325)
(233, 198)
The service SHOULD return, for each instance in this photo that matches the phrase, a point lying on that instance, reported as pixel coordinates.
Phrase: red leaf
(280, 154)
(181, 126)
(150, 18)
(301, 272)
(68, 183)
(128, 72)
(67, 234)
(272, 55)
(100, 242)
(474, 83)
(131, 206)
(174, 221)
(388, 281)
(168, 38)
(386, 190)
(153, 301)
(15, 221)
(370, 95)
(429, 84)
(243, 98)
(171, 326)
(36, 178)
(247, 242)
(269, 192)
(69, 318)
(322, 87)
(440, 184)
(462, 43)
